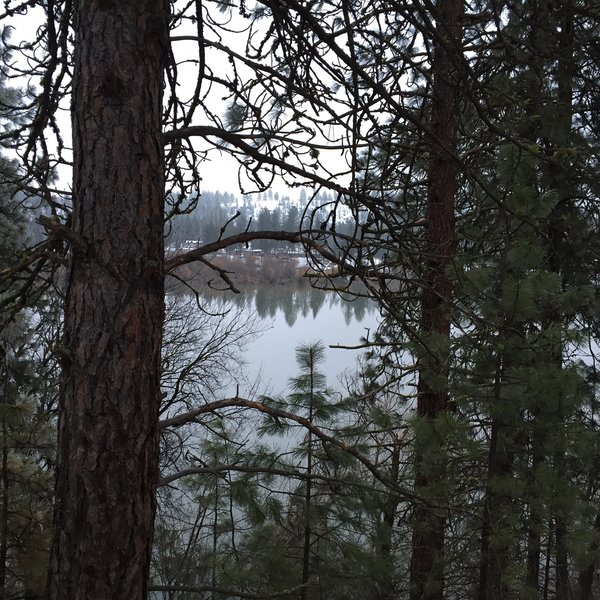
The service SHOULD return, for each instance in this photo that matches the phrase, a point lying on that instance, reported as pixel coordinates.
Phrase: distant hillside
(201, 219)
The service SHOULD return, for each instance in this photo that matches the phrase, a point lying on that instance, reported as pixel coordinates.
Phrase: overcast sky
(221, 171)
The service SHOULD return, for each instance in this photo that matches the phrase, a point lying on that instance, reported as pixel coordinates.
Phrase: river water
(288, 316)
(303, 317)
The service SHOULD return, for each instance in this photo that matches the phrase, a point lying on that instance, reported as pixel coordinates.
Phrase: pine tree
(28, 389)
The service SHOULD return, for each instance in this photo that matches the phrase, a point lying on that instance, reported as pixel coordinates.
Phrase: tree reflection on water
(286, 316)
(291, 300)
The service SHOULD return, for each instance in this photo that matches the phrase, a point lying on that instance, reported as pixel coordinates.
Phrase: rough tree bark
(426, 567)
(107, 463)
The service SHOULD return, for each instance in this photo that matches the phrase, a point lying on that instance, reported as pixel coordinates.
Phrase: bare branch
(263, 408)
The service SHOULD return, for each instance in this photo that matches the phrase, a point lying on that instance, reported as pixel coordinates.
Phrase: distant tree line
(206, 215)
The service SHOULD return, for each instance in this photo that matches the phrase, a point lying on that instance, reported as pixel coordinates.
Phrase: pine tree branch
(191, 416)
(237, 140)
(63, 232)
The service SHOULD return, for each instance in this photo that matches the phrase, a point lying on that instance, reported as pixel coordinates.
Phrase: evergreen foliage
(461, 460)
(28, 393)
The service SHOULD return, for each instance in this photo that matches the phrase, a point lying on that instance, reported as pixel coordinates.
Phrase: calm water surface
(291, 316)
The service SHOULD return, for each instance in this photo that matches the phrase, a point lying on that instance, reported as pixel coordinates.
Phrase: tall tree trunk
(586, 575)
(554, 29)
(549, 545)
(384, 572)
(307, 537)
(558, 238)
(427, 561)
(215, 542)
(559, 177)
(107, 456)
(535, 522)
(562, 562)
(494, 554)
(4, 513)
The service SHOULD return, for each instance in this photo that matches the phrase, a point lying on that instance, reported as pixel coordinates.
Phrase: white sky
(220, 172)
